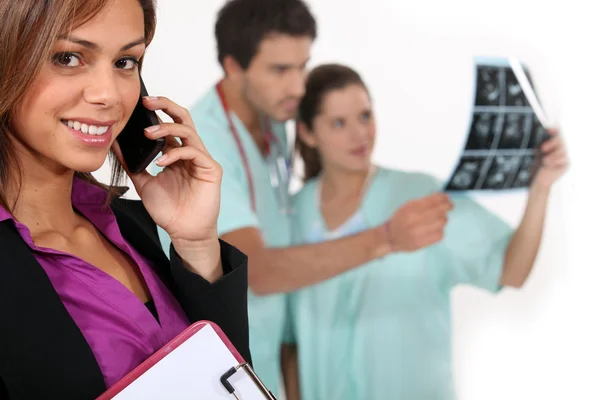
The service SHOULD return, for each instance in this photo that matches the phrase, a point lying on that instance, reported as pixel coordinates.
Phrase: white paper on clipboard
(193, 371)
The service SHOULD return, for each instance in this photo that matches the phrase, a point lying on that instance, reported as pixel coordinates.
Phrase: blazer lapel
(41, 348)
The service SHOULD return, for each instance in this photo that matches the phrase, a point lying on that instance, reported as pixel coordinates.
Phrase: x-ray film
(507, 127)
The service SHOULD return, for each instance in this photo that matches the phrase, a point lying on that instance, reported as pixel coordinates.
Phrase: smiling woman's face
(84, 95)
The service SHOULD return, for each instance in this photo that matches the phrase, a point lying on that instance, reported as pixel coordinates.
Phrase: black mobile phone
(139, 151)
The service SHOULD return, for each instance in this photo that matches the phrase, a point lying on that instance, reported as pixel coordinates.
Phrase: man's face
(274, 81)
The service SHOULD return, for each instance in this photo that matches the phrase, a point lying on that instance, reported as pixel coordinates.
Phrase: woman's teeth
(87, 129)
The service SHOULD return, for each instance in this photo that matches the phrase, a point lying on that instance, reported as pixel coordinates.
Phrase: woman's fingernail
(151, 98)
(161, 159)
(153, 128)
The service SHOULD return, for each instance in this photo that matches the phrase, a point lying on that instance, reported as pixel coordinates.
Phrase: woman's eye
(365, 117)
(127, 63)
(70, 60)
(338, 123)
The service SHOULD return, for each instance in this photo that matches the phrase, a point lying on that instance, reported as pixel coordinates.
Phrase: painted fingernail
(161, 159)
(153, 128)
(151, 98)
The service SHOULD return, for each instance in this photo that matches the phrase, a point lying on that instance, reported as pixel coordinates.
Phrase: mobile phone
(139, 151)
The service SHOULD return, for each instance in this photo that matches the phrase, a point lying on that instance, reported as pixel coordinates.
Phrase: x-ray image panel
(505, 133)
(516, 130)
(489, 89)
(538, 135)
(467, 173)
(501, 171)
(526, 172)
(483, 130)
(513, 91)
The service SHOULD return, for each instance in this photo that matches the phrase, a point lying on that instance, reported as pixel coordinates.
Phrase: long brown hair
(28, 31)
(321, 81)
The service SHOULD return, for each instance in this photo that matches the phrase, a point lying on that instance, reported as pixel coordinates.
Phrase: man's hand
(418, 223)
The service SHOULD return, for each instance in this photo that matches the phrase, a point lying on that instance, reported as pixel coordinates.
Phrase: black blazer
(43, 354)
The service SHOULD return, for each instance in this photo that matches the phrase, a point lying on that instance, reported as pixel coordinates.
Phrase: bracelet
(388, 234)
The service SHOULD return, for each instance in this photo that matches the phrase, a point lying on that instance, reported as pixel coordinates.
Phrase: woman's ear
(305, 135)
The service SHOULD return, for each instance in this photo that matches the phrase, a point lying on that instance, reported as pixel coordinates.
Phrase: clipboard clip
(244, 366)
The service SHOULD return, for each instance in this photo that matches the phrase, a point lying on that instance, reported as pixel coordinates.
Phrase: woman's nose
(103, 89)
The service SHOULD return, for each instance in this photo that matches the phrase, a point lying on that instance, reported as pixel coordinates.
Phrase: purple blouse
(120, 329)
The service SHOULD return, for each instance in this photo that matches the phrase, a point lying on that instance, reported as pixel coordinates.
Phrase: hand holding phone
(138, 151)
(184, 197)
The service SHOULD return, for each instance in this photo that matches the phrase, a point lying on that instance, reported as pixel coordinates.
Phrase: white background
(537, 343)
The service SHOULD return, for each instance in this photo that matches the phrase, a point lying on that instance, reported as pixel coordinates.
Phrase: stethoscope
(279, 167)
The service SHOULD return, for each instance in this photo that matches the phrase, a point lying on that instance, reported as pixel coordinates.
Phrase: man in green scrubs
(264, 47)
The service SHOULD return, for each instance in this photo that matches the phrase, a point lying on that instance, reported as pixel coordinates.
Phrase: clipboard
(200, 363)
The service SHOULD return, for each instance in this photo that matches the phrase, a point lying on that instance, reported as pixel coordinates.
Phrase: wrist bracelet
(388, 234)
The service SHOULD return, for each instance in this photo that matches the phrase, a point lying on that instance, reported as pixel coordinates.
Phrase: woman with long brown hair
(86, 293)
(383, 330)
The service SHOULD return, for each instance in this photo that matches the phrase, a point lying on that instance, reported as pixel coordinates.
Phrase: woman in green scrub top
(382, 331)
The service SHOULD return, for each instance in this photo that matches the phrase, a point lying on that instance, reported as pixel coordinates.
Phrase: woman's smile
(92, 133)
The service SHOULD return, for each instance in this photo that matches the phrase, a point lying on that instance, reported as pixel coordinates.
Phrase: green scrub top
(266, 314)
(383, 330)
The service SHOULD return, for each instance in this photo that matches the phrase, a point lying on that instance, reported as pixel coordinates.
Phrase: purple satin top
(119, 328)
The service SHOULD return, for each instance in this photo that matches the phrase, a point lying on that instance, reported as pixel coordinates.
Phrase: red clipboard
(174, 344)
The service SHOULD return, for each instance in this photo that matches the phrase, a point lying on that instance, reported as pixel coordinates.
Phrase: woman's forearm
(523, 248)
